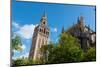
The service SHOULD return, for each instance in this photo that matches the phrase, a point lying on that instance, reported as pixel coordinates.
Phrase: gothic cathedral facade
(40, 37)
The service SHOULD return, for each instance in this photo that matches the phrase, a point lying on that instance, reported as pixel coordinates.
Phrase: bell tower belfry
(44, 20)
(40, 37)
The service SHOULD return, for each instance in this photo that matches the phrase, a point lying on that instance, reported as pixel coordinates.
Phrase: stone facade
(40, 37)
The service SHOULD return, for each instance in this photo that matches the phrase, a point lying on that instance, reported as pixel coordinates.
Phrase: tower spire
(44, 19)
(45, 15)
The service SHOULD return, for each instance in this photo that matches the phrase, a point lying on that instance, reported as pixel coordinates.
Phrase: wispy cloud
(26, 31)
(23, 47)
(15, 51)
(54, 30)
(16, 25)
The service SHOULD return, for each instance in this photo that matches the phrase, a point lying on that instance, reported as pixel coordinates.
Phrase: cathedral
(86, 36)
(40, 37)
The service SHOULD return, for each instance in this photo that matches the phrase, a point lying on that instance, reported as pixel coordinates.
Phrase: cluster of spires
(80, 20)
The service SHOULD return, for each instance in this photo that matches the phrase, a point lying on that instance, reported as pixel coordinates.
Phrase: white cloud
(26, 31)
(16, 25)
(15, 51)
(23, 47)
(53, 30)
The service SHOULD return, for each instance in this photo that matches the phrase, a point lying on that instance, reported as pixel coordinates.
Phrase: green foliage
(20, 61)
(44, 50)
(24, 61)
(16, 43)
(66, 50)
(90, 54)
(66, 38)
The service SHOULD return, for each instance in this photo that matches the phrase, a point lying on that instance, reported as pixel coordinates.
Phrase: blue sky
(26, 15)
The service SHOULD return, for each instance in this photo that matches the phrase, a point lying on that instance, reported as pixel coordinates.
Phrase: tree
(71, 47)
(24, 61)
(67, 38)
(67, 50)
(16, 44)
(44, 50)
(19, 61)
(90, 55)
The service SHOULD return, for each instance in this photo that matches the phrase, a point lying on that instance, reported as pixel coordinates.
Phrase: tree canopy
(67, 50)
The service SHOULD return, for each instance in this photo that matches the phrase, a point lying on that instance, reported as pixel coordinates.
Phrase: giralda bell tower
(40, 37)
